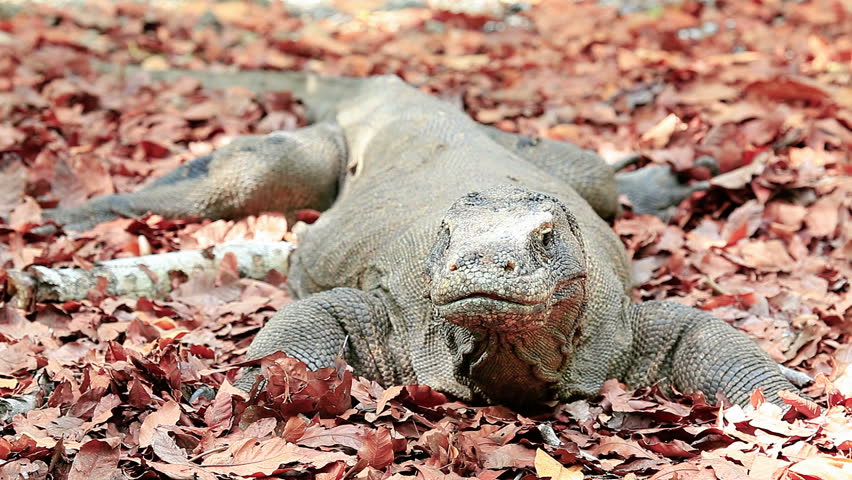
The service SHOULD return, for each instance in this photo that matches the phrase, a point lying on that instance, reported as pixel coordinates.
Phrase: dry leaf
(547, 466)
(168, 414)
(661, 133)
(824, 468)
(97, 460)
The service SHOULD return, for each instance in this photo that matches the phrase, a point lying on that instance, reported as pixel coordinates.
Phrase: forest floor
(763, 87)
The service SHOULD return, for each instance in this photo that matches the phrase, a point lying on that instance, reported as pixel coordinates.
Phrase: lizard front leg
(699, 352)
(320, 327)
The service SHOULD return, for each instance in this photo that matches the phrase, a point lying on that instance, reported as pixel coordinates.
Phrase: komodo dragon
(449, 253)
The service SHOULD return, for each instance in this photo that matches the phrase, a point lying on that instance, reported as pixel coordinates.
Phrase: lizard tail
(319, 94)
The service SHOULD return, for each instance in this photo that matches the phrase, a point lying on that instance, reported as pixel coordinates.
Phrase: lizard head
(505, 260)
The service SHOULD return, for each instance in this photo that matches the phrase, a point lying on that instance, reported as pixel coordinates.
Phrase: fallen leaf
(823, 216)
(97, 460)
(702, 93)
(824, 468)
(13, 180)
(802, 405)
(168, 414)
(166, 449)
(377, 449)
(660, 134)
(26, 213)
(768, 256)
(547, 466)
(740, 177)
(789, 89)
(250, 457)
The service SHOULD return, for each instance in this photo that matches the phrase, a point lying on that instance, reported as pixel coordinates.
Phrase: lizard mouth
(482, 308)
(488, 297)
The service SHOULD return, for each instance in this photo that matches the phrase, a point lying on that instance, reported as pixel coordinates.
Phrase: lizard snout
(485, 260)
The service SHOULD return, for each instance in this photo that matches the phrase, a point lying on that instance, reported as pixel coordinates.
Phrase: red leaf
(802, 405)
(351, 436)
(5, 448)
(788, 89)
(757, 398)
(424, 396)
(97, 460)
(294, 429)
(154, 150)
(378, 449)
(168, 414)
(220, 413)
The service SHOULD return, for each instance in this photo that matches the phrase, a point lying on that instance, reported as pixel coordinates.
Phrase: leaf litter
(143, 388)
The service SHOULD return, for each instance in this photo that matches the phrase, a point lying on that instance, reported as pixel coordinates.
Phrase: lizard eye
(545, 236)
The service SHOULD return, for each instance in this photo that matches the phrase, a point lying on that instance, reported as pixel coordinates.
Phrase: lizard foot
(655, 189)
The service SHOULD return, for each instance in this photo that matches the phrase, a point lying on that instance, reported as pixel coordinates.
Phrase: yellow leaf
(155, 63)
(547, 466)
(467, 62)
(8, 383)
(824, 468)
(660, 134)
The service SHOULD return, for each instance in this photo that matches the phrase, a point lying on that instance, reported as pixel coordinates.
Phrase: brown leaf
(823, 216)
(183, 472)
(702, 93)
(97, 460)
(677, 472)
(15, 357)
(743, 222)
(767, 468)
(10, 137)
(802, 405)
(424, 396)
(201, 111)
(388, 395)
(166, 449)
(513, 455)
(547, 466)
(740, 177)
(250, 457)
(352, 436)
(26, 213)
(167, 414)
(295, 429)
(13, 180)
(661, 133)
(824, 468)
(726, 470)
(220, 414)
(377, 450)
(768, 256)
(623, 448)
(787, 214)
(789, 89)
(67, 185)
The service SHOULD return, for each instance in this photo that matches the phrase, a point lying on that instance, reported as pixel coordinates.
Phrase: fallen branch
(148, 275)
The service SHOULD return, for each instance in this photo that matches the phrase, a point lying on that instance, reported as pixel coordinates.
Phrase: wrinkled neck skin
(521, 369)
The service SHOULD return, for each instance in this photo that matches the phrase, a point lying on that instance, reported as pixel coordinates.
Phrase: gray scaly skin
(449, 253)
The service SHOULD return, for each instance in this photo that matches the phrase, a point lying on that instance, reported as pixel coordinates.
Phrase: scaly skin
(449, 253)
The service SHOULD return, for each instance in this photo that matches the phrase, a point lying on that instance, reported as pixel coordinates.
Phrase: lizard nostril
(453, 267)
(510, 266)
